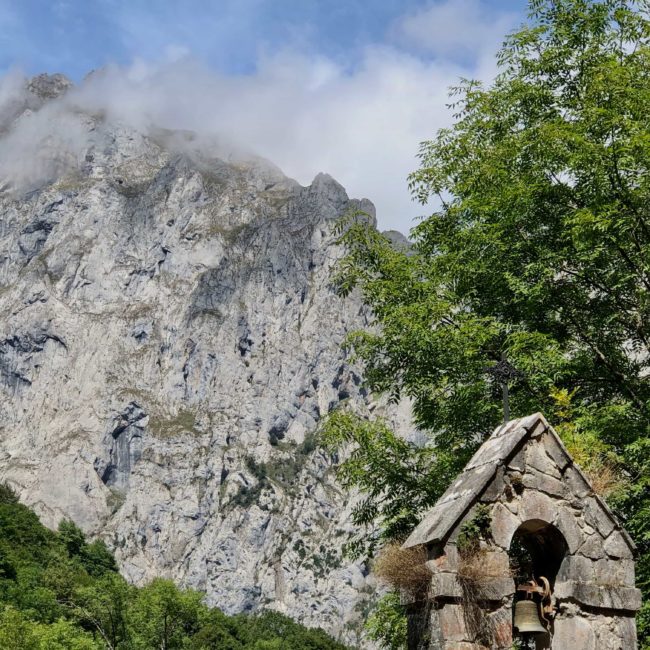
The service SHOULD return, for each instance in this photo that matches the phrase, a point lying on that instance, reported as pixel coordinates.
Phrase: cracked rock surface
(169, 341)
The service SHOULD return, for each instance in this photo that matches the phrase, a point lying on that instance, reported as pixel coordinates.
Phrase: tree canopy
(532, 273)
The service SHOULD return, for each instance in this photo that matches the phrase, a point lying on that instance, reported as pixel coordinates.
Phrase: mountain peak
(49, 86)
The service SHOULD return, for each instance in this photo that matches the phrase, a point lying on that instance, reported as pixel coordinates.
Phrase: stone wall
(540, 491)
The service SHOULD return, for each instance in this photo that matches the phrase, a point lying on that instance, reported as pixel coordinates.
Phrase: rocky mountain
(169, 341)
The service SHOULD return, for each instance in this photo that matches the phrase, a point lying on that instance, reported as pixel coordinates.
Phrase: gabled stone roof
(495, 452)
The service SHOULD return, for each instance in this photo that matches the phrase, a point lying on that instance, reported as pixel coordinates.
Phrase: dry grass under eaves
(404, 569)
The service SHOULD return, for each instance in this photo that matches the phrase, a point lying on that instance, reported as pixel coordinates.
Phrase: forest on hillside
(60, 592)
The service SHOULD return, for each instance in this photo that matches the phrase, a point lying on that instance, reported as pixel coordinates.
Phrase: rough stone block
(436, 641)
(574, 633)
(503, 525)
(606, 597)
(614, 572)
(586, 528)
(535, 480)
(592, 547)
(447, 561)
(518, 461)
(577, 483)
(537, 458)
(576, 568)
(445, 585)
(495, 488)
(435, 565)
(496, 564)
(512, 505)
(452, 553)
(539, 428)
(597, 518)
(627, 572)
(497, 588)
(566, 523)
(496, 449)
(452, 623)
(502, 626)
(535, 505)
(448, 585)
(616, 546)
(556, 451)
(608, 634)
(626, 632)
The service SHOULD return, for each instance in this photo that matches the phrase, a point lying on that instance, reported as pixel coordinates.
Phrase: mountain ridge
(170, 340)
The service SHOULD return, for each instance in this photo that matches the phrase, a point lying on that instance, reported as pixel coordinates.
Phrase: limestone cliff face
(169, 340)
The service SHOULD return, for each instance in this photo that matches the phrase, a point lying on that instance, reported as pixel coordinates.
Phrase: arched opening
(536, 552)
(537, 549)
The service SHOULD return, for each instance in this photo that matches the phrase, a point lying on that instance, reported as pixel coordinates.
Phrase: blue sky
(395, 55)
(75, 36)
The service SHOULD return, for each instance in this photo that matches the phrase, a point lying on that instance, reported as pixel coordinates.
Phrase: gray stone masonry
(534, 492)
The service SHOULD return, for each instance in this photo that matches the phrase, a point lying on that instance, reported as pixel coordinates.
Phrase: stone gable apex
(500, 450)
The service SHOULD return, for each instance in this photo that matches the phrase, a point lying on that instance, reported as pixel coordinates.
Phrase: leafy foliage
(398, 478)
(533, 275)
(59, 592)
(474, 530)
(387, 623)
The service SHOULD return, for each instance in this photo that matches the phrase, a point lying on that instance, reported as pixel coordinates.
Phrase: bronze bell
(527, 617)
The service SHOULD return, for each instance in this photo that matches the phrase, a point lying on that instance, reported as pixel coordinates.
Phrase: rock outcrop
(169, 341)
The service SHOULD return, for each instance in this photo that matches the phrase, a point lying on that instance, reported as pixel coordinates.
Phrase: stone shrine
(522, 523)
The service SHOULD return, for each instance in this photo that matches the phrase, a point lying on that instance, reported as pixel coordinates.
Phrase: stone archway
(537, 549)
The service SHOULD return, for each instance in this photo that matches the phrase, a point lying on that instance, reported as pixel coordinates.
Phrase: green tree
(217, 631)
(64, 635)
(97, 559)
(534, 271)
(163, 616)
(396, 477)
(102, 607)
(16, 632)
(387, 623)
(270, 630)
(94, 557)
(72, 537)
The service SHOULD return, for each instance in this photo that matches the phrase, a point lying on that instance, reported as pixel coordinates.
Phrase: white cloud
(12, 89)
(304, 113)
(40, 144)
(454, 28)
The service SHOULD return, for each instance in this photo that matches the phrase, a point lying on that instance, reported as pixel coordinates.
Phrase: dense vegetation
(59, 592)
(532, 277)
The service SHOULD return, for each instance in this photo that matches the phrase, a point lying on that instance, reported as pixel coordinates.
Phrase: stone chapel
(524, 554)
